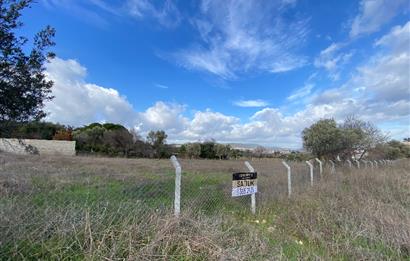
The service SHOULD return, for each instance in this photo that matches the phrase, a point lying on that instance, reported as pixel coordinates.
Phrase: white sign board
(244, 183)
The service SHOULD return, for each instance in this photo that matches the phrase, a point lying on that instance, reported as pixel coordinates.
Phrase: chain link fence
(60, 197)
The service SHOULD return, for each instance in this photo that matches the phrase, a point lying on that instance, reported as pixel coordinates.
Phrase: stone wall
(44, 147)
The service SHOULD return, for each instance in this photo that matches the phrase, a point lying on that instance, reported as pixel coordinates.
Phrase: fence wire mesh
(52, 197)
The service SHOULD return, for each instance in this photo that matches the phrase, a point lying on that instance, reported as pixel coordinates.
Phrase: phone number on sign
(242, 191)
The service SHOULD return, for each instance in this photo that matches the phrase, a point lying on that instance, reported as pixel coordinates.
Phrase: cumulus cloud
(251, 103)
(373, 14)
(165, 116)
(77, 102)
(208, 124)
(234, 38)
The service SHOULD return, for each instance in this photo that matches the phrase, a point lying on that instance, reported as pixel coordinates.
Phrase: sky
(236, 71)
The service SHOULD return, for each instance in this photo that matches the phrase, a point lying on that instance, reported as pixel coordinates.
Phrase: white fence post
(177, 200)
(365, 163)
(289, 178)
(320, 166)
(333, 167)
(375, 162)
(371, 164)
(253, 197)
(358, 164)
(350, 163)
(311, 172)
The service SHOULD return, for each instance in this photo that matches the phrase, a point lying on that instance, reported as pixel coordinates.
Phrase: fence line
(373, 164)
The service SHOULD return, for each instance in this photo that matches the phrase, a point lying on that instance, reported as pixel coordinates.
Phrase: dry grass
(114, 209)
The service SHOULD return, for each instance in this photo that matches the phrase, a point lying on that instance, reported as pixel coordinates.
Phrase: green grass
(87, 215)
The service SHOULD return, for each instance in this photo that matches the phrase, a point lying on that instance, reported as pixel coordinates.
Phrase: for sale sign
(244, 183)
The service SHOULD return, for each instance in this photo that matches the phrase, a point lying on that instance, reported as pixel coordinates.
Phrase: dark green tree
(323, 139)
(208, 149)
(23, 84)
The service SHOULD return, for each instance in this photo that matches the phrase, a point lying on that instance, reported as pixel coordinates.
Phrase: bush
(63, 135)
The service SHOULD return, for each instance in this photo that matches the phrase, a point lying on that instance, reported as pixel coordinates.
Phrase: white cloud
(235, 39)
(387, 76)
(301, 93)
(332, 58)
(209, 124)
(162, 116)
(398, 40)
(373, 14)
(77, 102)
(251, 103)
(165, 12)
(161, 86)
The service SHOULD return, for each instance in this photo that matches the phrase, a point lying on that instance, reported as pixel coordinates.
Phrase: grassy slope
(85, 208)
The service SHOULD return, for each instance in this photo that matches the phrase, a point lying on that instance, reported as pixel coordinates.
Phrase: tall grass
(114, 209)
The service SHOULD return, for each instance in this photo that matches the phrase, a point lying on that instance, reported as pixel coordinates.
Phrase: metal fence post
(311, 172)
(253, 197)
(320, 166)
(177, 200)
(289, 178)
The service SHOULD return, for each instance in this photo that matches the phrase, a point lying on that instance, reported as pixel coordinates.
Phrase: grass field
(114, 209)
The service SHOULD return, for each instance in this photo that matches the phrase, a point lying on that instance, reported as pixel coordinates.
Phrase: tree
(222, 151)
(208, 149)
(63, 135)
(193, 150)
(32, 130)
(323, 139)
(120, 141)
(157, 139)
(358, 137)
(23, 83)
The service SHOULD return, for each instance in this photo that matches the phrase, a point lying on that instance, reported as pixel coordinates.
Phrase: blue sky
(236, 71)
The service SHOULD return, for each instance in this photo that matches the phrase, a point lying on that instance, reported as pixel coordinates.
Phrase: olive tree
(359, 136)
(323, 139)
